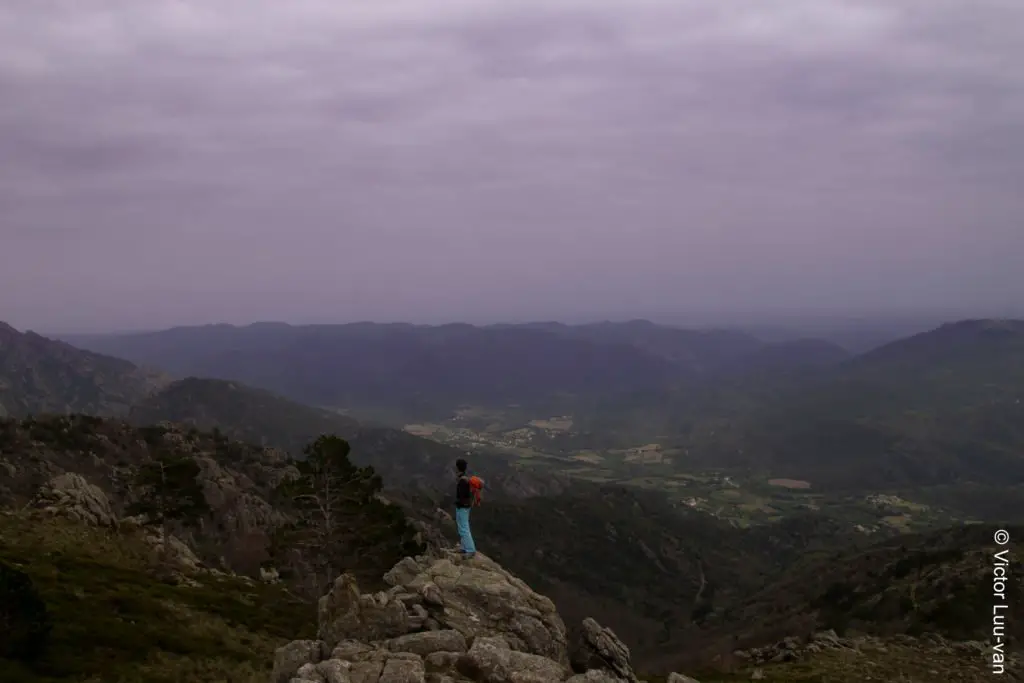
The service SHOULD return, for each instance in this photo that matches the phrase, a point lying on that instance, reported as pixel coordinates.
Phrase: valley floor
(740, 498)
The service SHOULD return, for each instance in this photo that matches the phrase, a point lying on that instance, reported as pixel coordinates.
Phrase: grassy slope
(891, 663)
(239, 479)
(116, 623)
(940, 582)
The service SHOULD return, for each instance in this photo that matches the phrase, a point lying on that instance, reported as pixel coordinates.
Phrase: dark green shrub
(25, 623)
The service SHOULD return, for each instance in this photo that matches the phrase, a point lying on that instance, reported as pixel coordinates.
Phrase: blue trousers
(465, 535)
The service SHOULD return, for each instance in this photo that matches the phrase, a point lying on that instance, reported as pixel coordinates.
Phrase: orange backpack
(476, 485)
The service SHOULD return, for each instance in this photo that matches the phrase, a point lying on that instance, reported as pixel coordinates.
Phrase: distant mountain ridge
(417, 369)
(649, 566)
(40, 375)
(938, 407)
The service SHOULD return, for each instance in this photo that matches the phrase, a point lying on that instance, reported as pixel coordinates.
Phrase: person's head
(460, 466)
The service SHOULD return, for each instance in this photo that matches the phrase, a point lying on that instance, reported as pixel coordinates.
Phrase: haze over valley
(724, 303)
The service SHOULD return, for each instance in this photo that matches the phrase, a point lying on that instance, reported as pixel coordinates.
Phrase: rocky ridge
(40, 375)
(448, 619)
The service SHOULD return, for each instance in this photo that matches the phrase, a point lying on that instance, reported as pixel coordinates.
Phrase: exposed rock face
(344, 613)
(177, 551)
(70, 495)
(89, 465)
(448, 620)
(474, 598)
(601, 649)
(680, 678)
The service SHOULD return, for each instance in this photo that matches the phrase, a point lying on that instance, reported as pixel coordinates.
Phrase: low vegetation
(115, 620)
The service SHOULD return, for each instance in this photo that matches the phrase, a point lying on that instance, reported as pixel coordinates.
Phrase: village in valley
(741, 500)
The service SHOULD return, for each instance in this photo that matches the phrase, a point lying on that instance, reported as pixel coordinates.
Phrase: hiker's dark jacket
(463, 494)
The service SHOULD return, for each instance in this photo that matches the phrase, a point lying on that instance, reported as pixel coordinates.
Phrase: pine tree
(168, 491)
(339, 523)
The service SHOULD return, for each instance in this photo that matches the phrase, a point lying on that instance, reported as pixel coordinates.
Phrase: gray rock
(828, 636)
(402, 573)
(335, 671)
(366, 672)
(438, 678)
(595, 676)
(442, 661)
(480, 598)
(528, 668)
(600, 648)
(486, 626)
(403, 671)
(680, 678)
(487, 661)
(409, 599)
(71, 495)
(350, 651)
(432, 594)
(310, 672)
(346, 614)
(418, 617)
(429, 642)
(289, 658)
(410, 656)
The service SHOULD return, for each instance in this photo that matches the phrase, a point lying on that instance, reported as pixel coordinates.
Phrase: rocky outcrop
(446, 619)
(601, 649)
(473, 598)
(71, 495)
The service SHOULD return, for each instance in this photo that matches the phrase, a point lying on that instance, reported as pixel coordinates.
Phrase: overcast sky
(188, 161)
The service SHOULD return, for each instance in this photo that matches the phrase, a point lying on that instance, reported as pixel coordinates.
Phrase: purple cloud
(187, 162)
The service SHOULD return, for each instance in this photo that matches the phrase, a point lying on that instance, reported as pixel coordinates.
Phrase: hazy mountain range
(939, 406)
(936, 416)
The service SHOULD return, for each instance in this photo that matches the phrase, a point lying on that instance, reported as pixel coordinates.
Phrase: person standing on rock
(465, 498)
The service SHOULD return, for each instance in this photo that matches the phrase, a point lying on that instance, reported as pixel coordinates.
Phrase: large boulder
(346, 614)
(600, 649)
(448, 620)
(71, 495)
(288, 659)
(477, 597)
(491, 660)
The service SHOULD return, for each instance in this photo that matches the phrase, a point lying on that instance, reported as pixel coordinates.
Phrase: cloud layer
(182, 161)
